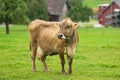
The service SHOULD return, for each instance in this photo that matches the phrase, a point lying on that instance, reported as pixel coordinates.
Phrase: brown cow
(49, 38)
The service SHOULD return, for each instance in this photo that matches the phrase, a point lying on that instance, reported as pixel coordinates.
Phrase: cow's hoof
(46, 70)
(64, 73)
(70, 71)
(34, 70)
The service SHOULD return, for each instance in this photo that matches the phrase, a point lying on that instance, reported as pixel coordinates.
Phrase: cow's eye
(68, 27)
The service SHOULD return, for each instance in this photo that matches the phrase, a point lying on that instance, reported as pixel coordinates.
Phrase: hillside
(95, 3)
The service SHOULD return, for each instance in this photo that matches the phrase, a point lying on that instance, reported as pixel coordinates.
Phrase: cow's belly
(41, 53)
(48, 45)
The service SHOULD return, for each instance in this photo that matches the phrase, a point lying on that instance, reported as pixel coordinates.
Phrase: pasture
(97, 56)
(95, 3)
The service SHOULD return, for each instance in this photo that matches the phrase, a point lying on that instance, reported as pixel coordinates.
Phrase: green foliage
(37, 9)
(22, 11)
(78, 12)
(14, 10)
(97, 56)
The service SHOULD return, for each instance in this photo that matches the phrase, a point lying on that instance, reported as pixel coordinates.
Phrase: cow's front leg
(70, 64)
(61, 55)
(62, 62)
(70, 54)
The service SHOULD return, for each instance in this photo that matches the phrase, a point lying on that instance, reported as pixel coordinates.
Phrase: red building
(106, 12)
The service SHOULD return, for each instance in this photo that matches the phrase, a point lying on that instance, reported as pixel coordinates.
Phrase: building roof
(55, 7)
(117, 2)
(114, 1)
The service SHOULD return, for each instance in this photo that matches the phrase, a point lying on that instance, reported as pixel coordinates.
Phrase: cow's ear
(74, 25)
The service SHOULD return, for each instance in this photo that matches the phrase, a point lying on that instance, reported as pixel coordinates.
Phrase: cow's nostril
(60, 36)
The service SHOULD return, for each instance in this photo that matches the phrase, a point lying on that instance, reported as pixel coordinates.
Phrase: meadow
(97, 56)
(95, 3)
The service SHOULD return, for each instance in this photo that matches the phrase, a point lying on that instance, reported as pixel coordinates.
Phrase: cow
(50, 38)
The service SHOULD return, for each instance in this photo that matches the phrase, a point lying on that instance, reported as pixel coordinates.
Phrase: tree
(78, 12)
(11, 11)
(36, 9)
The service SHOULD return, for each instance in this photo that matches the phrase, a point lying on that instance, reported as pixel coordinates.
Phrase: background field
(95, 3)
(97, 56)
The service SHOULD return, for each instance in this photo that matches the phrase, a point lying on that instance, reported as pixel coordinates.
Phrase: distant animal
(50, 38)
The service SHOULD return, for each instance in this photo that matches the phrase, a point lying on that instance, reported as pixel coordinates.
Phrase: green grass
(95, 3)
(97, 56)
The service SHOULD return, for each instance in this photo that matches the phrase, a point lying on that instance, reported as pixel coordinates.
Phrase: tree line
(23, 11)
(78, 11)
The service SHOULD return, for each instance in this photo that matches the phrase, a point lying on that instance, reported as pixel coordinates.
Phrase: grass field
(97, 56)
(95, 3)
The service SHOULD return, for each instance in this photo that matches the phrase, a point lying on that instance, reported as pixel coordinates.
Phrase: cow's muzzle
(61, 36)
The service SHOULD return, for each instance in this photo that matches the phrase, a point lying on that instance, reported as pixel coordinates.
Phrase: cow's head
(67, 28)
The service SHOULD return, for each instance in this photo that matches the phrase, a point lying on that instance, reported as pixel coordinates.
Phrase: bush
(36, 9)
(78, 12)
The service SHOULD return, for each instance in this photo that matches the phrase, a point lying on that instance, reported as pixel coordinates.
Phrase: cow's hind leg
(33, 55)
(43, 58)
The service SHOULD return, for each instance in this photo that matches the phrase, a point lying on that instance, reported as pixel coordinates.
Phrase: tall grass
(97, 56)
